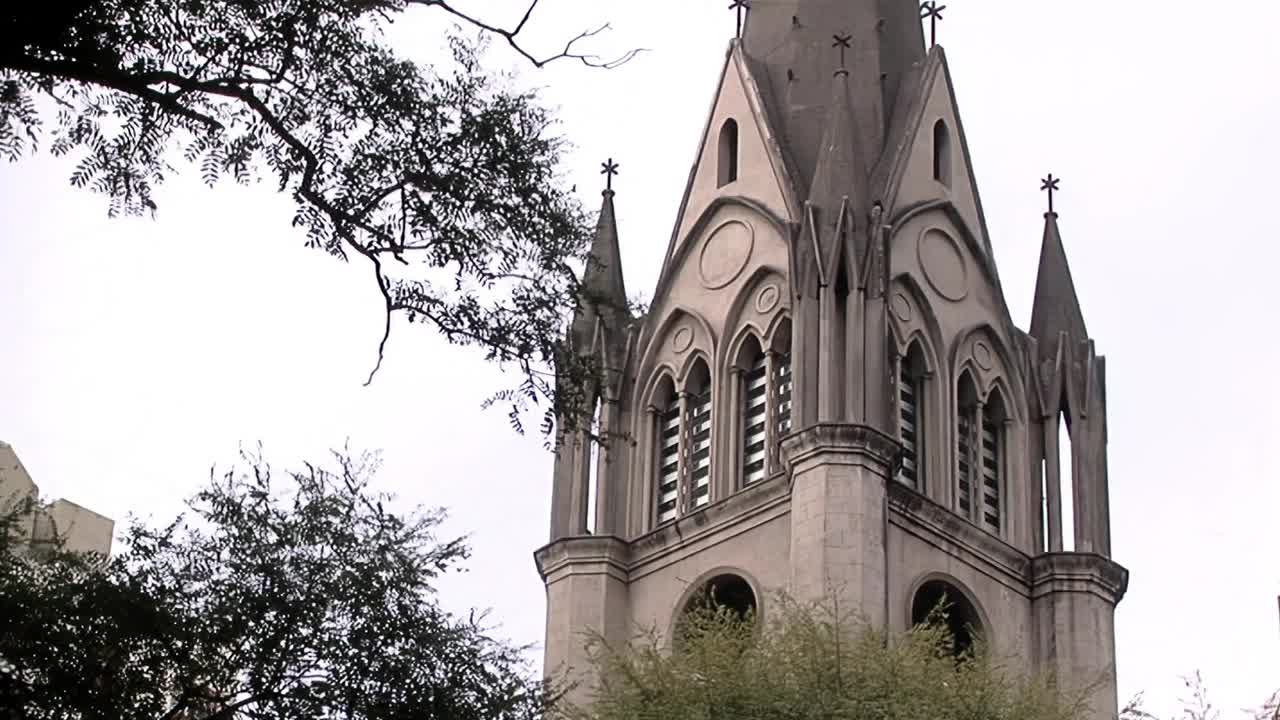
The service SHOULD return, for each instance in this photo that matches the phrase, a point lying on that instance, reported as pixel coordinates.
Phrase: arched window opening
(698, 424)
(967, 422)
(938, 603)
(755, 413)
(728, 159)
(782, 378)
(593, 469)
(941, 153)
(728, 592)
(993, 462)
(1065, 484)
(668, 450)
(911, 416)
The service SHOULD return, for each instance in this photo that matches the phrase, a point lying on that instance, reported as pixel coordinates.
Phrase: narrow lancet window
(755, 417)
(668, 451)
(728, 159)
(966, 445)
(783, 380)
(698, 424)
(911, 416)
(941, 153)
(993, 462)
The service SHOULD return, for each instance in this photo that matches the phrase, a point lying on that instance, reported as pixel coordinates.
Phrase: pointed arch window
(764, 404)
(994, 419)
(912, 415)
(941, 153)
(698, 429)
(668, 451)
(782, 378)
(727, 161)
(967, 442)
(981, 450)
(755, 414)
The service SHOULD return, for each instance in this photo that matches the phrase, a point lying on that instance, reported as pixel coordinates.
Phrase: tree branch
(510, 36)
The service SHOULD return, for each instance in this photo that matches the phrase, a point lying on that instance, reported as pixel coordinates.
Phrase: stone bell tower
(828, 394)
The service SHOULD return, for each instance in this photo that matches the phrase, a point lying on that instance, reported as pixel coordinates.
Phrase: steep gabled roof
(1056, 309)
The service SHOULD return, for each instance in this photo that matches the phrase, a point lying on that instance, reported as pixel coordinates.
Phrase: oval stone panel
(943, 265)
(725, 254)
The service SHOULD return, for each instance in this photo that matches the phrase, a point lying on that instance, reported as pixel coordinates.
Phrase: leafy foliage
(445, 179)
(811, 661)
(270, 600)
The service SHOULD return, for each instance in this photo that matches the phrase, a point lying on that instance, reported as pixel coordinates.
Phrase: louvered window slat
(755, 417)
(991, 459)
(964, 450)
(700, 449)
(909, 427)
(669, 464)
(783, 381)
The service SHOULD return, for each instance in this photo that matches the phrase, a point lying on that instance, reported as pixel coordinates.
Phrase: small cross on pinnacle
(1050, 185)
(933, 12)
(609, 169)
(844, 42)
(743, 7)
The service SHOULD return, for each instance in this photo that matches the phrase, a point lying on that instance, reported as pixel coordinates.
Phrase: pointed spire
(1056, 308)
(602, 280)
(791, 41)
(841, 170)
(603, 292)
(837, 192)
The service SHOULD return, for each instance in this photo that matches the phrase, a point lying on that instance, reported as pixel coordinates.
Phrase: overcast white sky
(134, 354)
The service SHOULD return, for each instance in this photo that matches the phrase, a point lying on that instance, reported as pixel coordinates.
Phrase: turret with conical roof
(1071, 386)
(599, 330)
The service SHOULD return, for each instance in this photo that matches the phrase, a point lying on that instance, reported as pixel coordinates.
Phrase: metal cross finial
(609, 169)
(743, 7)
(1050, 184)
(933, 11)
(844, 42)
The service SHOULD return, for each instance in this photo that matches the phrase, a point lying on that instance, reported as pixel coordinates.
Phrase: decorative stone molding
(943, 263)
(825, 439)
(1078, 572)
(725, 254)
(736, 508)
(940, 527)
(588, 553)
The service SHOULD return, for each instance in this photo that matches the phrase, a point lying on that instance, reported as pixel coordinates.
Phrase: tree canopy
(809, 661)
(277, 596)
(445, 179)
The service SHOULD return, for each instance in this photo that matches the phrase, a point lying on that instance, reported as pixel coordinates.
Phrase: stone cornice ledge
(1078, 572)
(603, 552)
(714, 520)
(825, 439)
(935, 524)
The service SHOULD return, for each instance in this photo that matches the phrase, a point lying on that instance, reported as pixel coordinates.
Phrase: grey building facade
(77, 528)
(828, 395)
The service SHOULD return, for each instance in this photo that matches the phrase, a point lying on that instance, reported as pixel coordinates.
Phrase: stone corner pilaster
(1079, 572)
(586, 552)
(820, 441)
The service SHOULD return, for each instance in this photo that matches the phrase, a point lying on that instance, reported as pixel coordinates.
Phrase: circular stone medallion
(982, 355)
(901, 307)
(725, 253)
(943, 265)
(767, 300)
(682, 339)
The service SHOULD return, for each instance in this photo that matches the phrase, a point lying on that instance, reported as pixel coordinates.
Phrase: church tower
(828, 394)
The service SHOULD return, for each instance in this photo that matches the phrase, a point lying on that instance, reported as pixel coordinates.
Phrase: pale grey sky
(136, 353)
